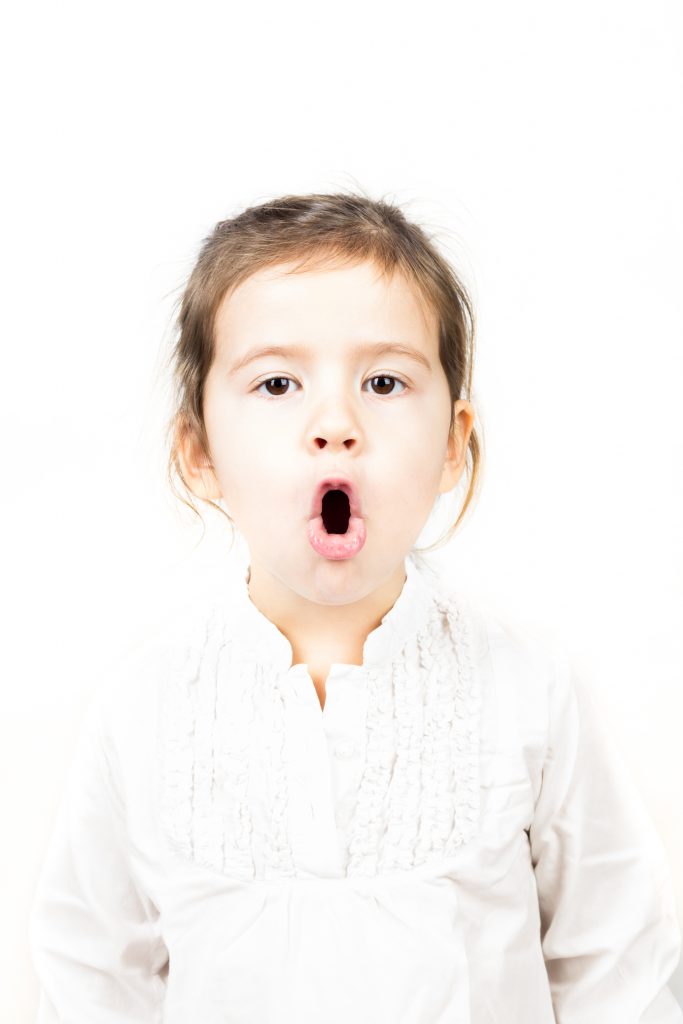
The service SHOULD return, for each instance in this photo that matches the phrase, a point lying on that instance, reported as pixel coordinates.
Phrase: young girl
(337, 790)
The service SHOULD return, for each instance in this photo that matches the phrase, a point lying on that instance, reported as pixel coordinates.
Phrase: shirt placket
(324, 755)
(344, 727)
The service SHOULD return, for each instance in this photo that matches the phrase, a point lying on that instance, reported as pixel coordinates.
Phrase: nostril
(336, 511)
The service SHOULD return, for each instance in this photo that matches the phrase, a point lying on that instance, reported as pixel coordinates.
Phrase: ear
(196, 464)
(458, 441)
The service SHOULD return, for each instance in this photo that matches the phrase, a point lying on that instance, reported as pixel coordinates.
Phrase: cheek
(407, 493)
(257, 480)
(236, 443)
(420, 456)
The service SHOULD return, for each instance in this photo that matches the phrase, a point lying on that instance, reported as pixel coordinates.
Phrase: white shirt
(452, 840)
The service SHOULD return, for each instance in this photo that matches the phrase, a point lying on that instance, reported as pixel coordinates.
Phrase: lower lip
(336, 545)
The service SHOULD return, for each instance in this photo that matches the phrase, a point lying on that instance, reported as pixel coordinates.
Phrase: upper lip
(335, 483)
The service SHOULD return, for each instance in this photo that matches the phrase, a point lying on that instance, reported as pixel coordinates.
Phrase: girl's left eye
(385, 377)
(281, 382)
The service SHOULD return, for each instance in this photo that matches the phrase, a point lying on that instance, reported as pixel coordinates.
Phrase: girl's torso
(306, 862)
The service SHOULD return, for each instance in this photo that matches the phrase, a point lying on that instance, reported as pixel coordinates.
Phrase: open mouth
(336, 528)
(336, 511)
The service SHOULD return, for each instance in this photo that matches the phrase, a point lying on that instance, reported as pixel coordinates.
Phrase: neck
(313, 627)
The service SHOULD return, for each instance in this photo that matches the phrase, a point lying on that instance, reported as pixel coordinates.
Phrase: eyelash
(280, 376)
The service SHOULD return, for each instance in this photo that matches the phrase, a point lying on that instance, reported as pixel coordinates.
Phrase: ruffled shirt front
(451, 840)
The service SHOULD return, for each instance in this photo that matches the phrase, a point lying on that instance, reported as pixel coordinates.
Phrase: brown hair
(312, 229)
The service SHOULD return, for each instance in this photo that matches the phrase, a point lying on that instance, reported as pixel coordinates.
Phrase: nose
(335, 425)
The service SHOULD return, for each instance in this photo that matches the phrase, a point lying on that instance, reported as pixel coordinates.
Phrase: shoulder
(517, 647)
(524, 673)
(129, 690)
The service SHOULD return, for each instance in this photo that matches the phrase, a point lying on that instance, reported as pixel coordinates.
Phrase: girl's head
(371, 381)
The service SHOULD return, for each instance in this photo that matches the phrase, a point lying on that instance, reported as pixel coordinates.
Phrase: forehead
(325, 302)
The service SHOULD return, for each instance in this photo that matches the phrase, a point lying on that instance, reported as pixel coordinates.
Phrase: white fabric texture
(451, 840)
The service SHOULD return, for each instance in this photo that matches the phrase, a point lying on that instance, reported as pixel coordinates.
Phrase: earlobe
(458, 442)
(197, 467)
(453, 464)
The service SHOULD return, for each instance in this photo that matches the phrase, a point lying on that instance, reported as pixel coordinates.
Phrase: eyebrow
(297, 352)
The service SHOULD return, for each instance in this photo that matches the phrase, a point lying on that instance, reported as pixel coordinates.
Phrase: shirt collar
(253, 631)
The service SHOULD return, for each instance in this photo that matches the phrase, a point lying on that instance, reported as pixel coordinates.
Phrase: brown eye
(280, 386)
(386, 381)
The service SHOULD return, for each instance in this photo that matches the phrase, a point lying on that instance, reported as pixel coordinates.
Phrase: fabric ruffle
(419, 793)
(207, 714)
(222, 744)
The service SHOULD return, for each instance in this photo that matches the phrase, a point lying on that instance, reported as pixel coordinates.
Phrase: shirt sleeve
(609, 932)
(94, 934)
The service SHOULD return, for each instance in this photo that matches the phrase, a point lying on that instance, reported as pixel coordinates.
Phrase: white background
(541, 141)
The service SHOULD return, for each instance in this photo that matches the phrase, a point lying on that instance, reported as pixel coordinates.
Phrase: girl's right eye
(279, 381)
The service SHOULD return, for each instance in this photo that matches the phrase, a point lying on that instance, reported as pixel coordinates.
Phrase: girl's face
(329, 404)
